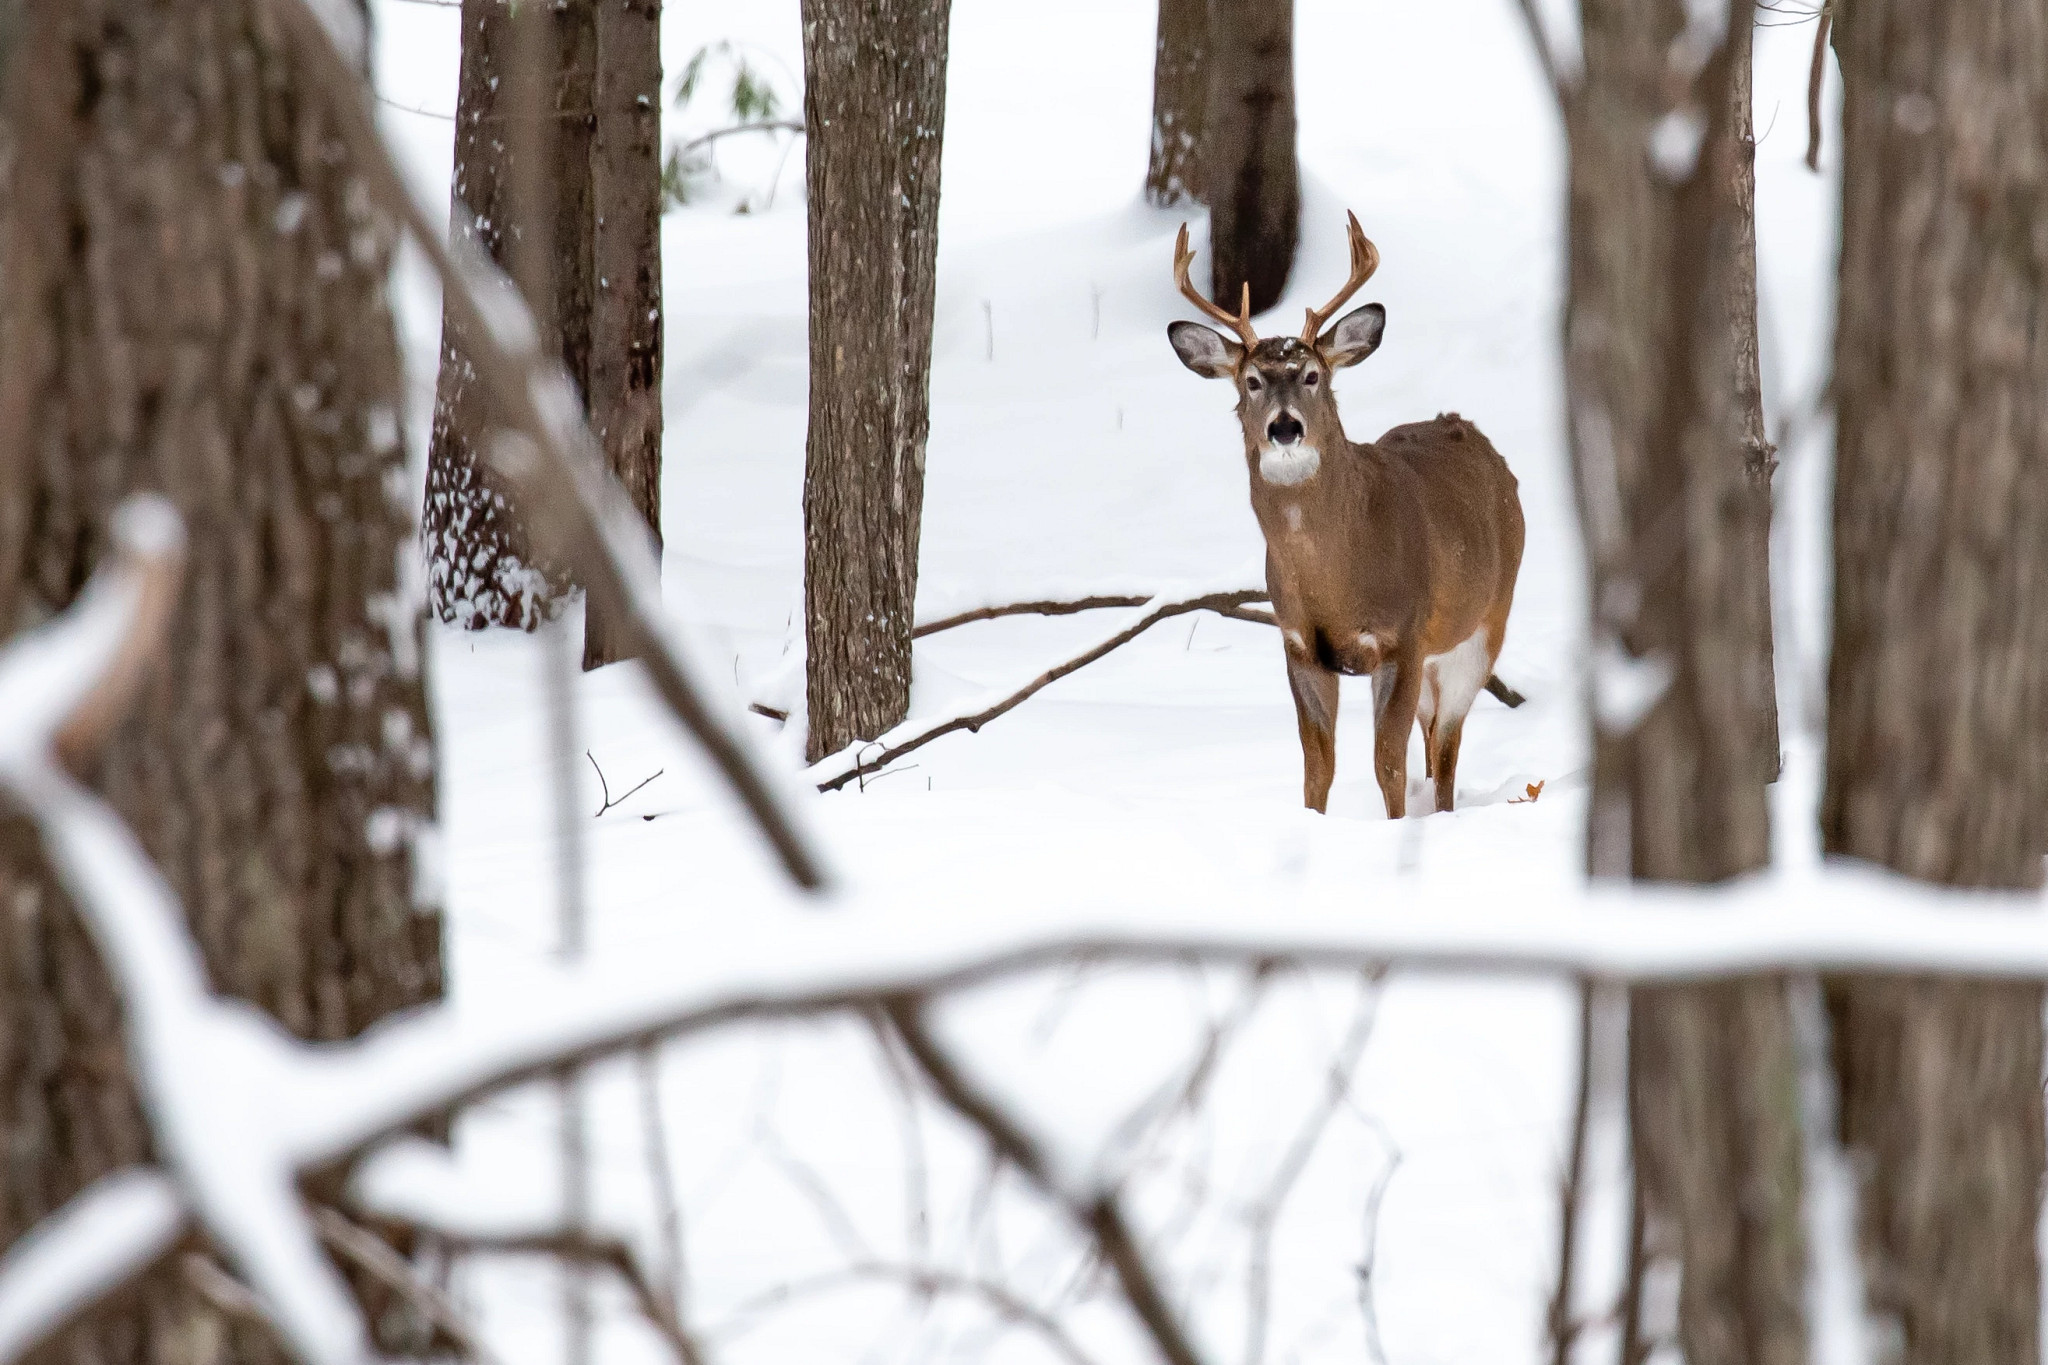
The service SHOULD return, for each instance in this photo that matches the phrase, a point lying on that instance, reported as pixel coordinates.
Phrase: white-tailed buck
(1394, 559)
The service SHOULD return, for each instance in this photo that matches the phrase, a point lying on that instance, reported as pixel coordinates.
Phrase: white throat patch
(1289, 465)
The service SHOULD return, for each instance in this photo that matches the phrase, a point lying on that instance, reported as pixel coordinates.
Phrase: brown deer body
(1393, 559)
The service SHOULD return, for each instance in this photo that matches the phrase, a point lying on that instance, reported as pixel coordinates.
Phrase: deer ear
(1356, 336)
(1208, 353)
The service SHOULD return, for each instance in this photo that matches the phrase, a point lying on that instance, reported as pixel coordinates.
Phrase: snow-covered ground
(1070, 451)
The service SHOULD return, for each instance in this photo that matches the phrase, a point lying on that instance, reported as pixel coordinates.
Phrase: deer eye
(1310, 379)
(1252, 384)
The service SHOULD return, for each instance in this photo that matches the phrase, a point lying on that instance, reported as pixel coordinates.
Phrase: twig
(1562, 1328)
(769, 711)
(768, 126)
(589, 1249)
(915, 735)
(1634, 1350)
(376, 1258)
(1813, 80)
(1546, 56)
(606, 787)
(228, 1295)
(668, 1205)
(923, 1281)
(1072, 606)
(575, 507)
(1265, 1214)
(1368, 1260)
(917, 1197)
(1101, 1214)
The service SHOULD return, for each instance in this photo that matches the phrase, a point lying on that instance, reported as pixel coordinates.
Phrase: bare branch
(1101, 1214)
(1813, 81)
(668, 1205)
(1072, 606)
(575, 508)
(924, 1282)
(854, 762)
(227, 1295)
(149, 550)
(767, 126)
(376, 1258)
(1563, 1329)
(1546, 55)
(1265, 1214)
(588, 1249)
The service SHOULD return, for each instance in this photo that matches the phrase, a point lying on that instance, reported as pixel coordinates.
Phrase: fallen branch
(1073, 606)
(852, 762)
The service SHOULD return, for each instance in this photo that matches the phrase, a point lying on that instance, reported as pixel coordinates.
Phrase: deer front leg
(1315, 710)
(1395, 704)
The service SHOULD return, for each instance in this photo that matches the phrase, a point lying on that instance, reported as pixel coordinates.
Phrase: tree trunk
(874, 108)
(1249, 171)
(625, 316)
(194, 304)
(1180, 99)
(1940, 666)
(1673, 484)
(481, 570)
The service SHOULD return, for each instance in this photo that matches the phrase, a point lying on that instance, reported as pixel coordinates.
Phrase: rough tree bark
(601, 240)
(874, 110)
(1249, 171)
(194, 303)
(625, 312)
(1673, 484)
(1939, 674)
(1180, 99)
(480, 569)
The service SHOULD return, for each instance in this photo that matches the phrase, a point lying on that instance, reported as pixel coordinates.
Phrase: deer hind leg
(1315, 710)
(1396, 689)
(1459, 675)
(1427, 714)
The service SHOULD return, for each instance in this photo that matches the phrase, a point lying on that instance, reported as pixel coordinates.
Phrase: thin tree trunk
(1180, 99)
(1249, 173)
(874, 108)
(1936, 762)
(1674, 498)
(625, 319)
(194, 304)
(481, 571)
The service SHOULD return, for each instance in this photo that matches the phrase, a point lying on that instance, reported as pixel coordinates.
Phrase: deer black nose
(1285, 429)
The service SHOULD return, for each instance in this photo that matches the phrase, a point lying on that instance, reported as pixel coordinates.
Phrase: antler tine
(1183, 257)
(1365, 258)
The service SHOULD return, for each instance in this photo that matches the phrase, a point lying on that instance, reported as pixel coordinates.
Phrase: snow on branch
(574, 508)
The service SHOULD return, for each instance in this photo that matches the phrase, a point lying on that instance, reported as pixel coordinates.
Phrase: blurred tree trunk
(1939, 674)
(1180, 98)
(194, 304)
(1249, 173)
(874, 110)
(625, 316)
(1674, 492)
(597, 227)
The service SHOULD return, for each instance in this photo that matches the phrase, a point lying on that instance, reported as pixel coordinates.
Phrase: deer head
(1284, 400)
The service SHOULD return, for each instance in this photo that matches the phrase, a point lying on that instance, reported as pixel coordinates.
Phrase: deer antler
(1365, 258)
(1183, 257)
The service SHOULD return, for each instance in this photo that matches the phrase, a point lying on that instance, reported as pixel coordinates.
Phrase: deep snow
(1069, 450)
